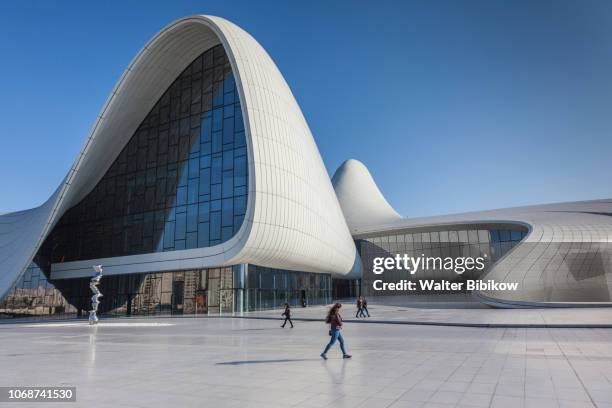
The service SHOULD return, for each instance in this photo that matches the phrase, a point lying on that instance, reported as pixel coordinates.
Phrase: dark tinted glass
(180, 182)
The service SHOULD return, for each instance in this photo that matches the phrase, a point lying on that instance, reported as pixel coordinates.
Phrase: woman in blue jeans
(335, 321)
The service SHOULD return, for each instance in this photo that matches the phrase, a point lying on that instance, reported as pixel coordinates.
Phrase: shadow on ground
(287, 360)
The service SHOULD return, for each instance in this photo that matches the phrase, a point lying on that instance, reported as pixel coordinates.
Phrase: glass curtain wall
(34, 295)
(179, 183)
(189, 292)
(268, 288)
(491, 243)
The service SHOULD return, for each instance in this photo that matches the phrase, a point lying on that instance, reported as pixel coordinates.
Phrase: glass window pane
(216, 172)
(192, 218)
(240, 171)
(228, 184)
(228, 212)
(228, 130)
(217, 119)
(192, 190)
(203, 234)
(206, 128)
(215, 225)
(204, 181)
(240, 205)
(181, 226)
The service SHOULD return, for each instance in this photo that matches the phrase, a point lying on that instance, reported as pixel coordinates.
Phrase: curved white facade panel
(293, 218)
(565, 259)
(21, 234)
(362, 202)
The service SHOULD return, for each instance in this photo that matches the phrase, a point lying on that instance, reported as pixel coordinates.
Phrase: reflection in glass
(175, 183)
(472, 242)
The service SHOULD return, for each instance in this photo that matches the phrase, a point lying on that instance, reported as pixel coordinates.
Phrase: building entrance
(223, 290)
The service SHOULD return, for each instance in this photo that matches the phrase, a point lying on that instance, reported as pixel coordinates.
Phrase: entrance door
(129, 304)
(220, 291)
(213, 291)
(201, 305)
(226, 300)
(178, 290)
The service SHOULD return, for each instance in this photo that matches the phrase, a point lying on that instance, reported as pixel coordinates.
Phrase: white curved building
(200, 189)
(289, 216)
(360, 198)
(559, 255)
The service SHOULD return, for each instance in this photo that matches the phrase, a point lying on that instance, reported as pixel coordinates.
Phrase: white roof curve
(361, 200)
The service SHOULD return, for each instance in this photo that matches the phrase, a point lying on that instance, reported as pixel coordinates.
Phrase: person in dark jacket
(364, 307)
(359, 306)
(335, 321)
(287, 314)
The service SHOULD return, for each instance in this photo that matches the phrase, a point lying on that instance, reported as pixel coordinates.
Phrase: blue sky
(453, 105)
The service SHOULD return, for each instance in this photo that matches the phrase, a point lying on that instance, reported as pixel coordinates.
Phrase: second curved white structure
(360, 198)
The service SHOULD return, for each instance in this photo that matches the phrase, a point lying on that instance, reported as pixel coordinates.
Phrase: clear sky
(453, 105)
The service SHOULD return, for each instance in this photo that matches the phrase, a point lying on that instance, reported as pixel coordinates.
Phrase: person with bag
(287, 314)
(334, 319)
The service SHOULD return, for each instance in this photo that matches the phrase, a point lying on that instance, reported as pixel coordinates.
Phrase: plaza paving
(233, 362)
(451, 316)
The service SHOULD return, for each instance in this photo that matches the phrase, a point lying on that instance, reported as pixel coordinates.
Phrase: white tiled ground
(601, 316)
(225, 362)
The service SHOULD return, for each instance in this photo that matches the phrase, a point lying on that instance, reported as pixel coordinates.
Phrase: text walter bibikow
(415, 264)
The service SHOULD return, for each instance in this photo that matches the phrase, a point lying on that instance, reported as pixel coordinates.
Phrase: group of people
(334, 319)
(362, 307)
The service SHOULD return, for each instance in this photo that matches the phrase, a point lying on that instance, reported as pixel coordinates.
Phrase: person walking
(364, 307)
(287, 314)
(334, 319)
(359, 306)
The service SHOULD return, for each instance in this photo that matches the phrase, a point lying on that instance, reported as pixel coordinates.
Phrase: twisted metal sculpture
(93, 285)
